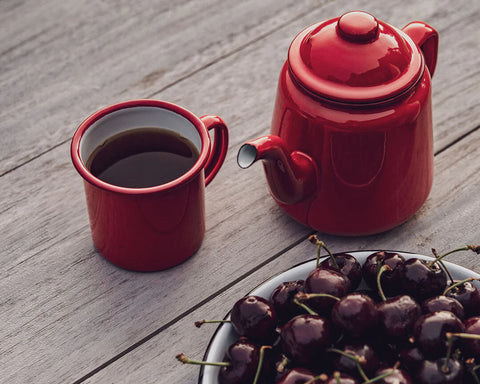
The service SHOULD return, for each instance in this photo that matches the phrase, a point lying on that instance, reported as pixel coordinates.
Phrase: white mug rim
(186, 177)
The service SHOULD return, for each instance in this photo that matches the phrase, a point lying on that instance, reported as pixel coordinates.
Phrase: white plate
(225, 335)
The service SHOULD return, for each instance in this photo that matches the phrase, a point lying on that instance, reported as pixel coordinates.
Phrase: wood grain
(62, 60)
(65, 310)
(132, 52)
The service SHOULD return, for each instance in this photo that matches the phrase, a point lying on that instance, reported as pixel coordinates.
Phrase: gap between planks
(188, 75)
(192, 309)
(217, 60)
(457, 140)
(228, 286)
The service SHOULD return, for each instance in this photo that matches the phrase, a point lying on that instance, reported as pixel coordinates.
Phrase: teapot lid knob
(358, 27)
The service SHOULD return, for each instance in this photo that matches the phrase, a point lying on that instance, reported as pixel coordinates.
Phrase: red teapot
(351, 144)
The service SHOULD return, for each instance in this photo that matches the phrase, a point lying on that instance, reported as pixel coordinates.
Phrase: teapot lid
(355, 58)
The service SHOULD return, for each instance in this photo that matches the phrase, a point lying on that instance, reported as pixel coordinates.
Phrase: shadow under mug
(154, 228)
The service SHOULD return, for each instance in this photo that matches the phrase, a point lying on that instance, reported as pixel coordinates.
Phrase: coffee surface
(142, 157)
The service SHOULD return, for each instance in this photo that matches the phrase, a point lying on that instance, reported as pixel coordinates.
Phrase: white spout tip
(247, 154)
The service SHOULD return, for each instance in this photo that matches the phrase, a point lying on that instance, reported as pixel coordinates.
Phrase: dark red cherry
(471, 347)
(443, 303)
(430, 329)
(305, 337)
(348, 265)
(387, 350)
(369, 361)
(394, 376)
(243, 356)
(422, 279)
(390, 278)
(436, 372)
(297, 376)
(469, 296)
(255, 318)
(329, 281)
(282, 300)
(411, 358)
(397, 316)
(239, 365)
(355, 315)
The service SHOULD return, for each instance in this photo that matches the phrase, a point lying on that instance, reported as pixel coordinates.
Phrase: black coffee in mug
(142, 157)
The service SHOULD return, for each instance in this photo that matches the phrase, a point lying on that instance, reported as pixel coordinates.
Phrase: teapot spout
(292, 177)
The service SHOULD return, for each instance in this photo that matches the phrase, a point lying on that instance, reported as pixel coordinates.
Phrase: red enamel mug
(157, 227)
(351, 144)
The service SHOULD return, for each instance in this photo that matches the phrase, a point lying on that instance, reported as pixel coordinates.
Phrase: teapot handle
(426, 39)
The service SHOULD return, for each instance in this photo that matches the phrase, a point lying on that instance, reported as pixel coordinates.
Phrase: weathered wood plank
(60, 296)
(46, 48)
(447, 221)
(61, 60)
(40, 308)
(67, 310)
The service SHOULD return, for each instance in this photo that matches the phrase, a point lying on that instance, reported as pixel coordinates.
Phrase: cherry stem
(457, 354)
(474, 248)
(474, 374)
(301, 296)
(471, 336)
(461, 335)
(336, 375)
(379, 285)
(321, 377)
(185, 360)
(437, 256)
(379, 377)
(314, 240)
(334, 261)
(281, 366)
(458, 284)
(445, 368)
(260, 362)
(198, 324)
(320, 244)
(305, 307)
(355, 358)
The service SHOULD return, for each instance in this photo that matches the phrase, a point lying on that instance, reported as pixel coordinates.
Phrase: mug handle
(426, 38)
(220, 145)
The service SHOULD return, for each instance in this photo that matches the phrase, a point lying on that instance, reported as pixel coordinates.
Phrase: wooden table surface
(69, 316)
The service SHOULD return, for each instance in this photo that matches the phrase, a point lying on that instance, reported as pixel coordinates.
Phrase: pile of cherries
(414, 324)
